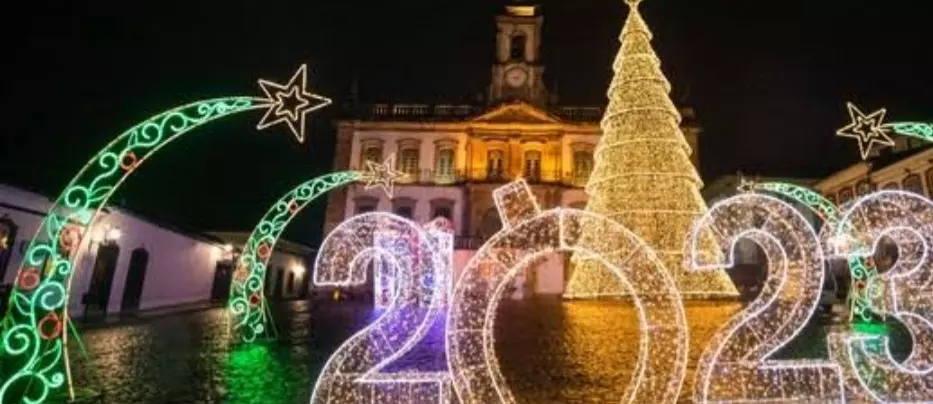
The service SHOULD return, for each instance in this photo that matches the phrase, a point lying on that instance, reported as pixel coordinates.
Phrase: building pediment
(519, 112)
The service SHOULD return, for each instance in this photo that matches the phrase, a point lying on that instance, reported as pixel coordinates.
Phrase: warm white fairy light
(907, 219)
(527, 235)
(354, 373)
(736, 365)
(868, 129)
(440, 233)
(642, 175)
(290, 103)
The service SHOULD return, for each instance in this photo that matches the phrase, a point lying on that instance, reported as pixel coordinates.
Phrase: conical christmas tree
(643, 177)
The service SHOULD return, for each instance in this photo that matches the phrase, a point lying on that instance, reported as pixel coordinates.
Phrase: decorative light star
(382, 175)
(867, 129)
(290, 103)
(745, 185)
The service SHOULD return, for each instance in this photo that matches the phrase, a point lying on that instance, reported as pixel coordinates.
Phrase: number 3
(907, 219)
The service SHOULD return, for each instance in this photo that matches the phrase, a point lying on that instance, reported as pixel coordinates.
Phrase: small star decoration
(290, 103)
(867, 129)
(745, 185)
(382, 175)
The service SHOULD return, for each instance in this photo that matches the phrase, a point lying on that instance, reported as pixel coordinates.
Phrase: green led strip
(866, 288)
(33, 356)
(247, 300)
(917, 130)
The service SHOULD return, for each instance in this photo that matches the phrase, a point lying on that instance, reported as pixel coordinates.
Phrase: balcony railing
(468, 242)
(423, 111)
(585, 114)
(432, 177)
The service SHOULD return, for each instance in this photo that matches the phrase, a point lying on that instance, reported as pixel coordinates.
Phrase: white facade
(287, 270)
(180, 269)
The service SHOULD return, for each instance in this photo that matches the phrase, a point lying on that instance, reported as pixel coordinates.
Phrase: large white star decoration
(382, 175)
(290, 103)
(867, 129)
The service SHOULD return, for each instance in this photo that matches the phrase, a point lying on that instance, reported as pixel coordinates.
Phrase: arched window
(97, 298)
(495, 165)
(404, 207)
(845, 195)
(533, 165)
(365, 204)
(929, 175)
(442, 208)
(491, 223)
(444, 166)
(864, 187)
(582, 166)
(370, 150)
(517, 45)
(913, 183)
(135, 278)
(408, 162)
(8, 231)
(290, 282)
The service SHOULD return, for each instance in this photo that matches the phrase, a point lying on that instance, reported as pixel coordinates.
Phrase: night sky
(769, 81)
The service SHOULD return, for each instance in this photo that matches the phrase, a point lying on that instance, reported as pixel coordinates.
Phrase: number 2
(353, 374)
(736, 365)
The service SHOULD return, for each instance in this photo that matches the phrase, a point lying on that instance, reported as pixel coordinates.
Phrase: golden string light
(736, 365)
(642, 176)
(872, 372)
(355, 373)
(528, 234)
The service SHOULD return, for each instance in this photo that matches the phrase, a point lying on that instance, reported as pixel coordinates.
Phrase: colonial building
(908, 166)
(129, 264)
(456, 154)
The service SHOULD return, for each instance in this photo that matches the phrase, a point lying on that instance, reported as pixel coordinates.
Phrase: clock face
(516, 77)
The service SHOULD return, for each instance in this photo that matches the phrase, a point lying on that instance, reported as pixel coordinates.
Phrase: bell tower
(518, 74)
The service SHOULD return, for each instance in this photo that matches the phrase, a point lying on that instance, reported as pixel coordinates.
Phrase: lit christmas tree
(643, 177)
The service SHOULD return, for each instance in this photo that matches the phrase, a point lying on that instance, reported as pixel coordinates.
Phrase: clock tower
(517, 74)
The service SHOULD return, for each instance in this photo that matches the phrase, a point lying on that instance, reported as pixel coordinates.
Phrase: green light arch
(247, 301)
(864, 275)
(33, 355)
(918, 130)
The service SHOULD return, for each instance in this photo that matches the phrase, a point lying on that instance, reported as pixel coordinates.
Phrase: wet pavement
(550, 351)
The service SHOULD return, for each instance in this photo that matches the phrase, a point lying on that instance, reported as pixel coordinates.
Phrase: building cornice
(844, 176)
(484, 127)
(858, 171)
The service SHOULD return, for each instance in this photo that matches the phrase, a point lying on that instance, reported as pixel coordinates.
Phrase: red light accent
(264, 251)
(28, 279)
(128, 161)
(69, 237)
(50, 327)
